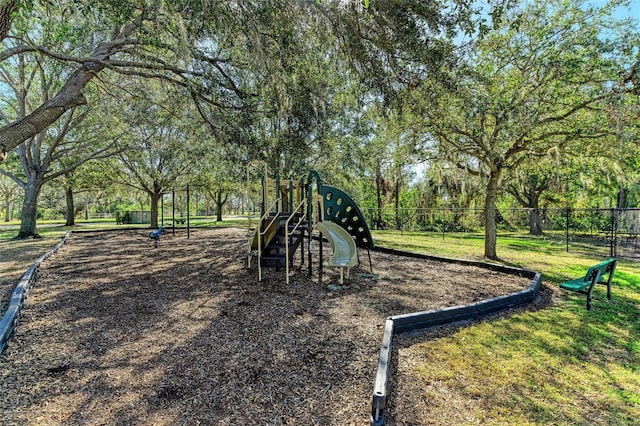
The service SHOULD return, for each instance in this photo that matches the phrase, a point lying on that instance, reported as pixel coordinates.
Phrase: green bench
(595, 275)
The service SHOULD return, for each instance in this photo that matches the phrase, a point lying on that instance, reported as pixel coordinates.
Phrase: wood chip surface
(117, 332)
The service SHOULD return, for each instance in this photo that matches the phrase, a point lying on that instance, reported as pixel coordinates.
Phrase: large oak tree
(544, 76)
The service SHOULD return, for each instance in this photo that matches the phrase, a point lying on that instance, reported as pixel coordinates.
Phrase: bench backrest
(602, 268)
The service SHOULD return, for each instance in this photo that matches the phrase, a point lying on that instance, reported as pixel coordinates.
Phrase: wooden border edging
(11, 318)
(422, 320)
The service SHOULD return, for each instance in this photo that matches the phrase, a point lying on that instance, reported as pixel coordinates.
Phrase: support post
(310, 205)
(612, 244)
(291, 203)
(278, 196)
(566, 230)
(310, 231)
(263, 206)
(173, 210)
(320, 266)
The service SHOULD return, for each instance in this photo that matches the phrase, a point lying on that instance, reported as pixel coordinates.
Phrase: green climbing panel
(340, 208)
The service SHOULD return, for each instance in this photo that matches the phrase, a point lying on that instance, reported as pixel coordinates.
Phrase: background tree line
(410, 104)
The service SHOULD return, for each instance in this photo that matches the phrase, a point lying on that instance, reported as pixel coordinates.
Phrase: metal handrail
(261, 233)
(286, 232)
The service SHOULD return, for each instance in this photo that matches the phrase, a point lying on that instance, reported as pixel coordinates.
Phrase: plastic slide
(345, 254)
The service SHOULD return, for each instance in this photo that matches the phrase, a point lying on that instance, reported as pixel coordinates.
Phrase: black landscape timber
(382, 376)
(419, 321)
(491, 306)
(18, 301)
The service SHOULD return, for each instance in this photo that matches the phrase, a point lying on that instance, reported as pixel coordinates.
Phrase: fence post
(612, 244)
(188, 215)
(173, 210)
(566, 232)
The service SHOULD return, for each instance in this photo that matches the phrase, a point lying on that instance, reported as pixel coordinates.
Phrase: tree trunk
(207, 207)
(155, 198)
(490, 232)
(397, 204)
(219, 205)
(7, 208)
(71, 210)
(535, 224)
(379, 184)
(30, 209)
(621, 198)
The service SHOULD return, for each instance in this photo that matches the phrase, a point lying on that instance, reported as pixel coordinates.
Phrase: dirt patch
(16, 256)
(117, 332)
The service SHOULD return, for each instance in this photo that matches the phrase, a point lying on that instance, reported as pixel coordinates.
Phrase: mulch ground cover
(117, 332)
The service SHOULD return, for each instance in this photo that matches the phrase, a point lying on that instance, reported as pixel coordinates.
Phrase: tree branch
(7, 7)
(13, 177)
(70, 95)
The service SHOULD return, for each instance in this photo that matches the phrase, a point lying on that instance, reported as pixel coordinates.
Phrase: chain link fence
(605, 232)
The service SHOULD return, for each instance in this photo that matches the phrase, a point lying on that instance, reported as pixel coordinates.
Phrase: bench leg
(594, 281)
(610, 279)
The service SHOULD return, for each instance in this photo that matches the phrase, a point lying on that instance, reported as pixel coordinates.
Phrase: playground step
(280, 231)
(273, 261)
(280, 246)
(277, 249)
(274, 253)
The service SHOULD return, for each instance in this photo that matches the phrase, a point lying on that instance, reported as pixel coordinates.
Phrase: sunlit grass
(546, 254)
(562, 365)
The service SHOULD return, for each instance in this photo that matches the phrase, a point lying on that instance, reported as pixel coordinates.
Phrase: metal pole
(173, 210)
(320, 267)
(566, 233)
(263, 206)
(612, 248)
(291, 204)
(279, 206)
(310, 206)
(188, 208)
(309, 227)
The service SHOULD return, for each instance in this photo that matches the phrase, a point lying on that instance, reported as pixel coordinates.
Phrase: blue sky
(633, 10)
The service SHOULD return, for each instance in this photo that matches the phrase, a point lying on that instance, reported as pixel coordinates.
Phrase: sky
(623, 12)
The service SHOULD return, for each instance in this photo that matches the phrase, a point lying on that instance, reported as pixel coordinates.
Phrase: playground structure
(292, 210)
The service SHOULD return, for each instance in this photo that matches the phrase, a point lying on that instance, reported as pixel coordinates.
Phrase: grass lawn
(560, 365)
